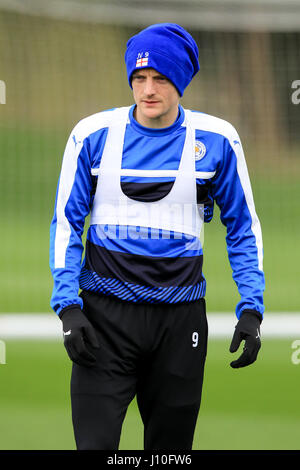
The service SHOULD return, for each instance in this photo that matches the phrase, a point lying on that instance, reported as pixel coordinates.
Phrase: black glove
(248, 329)
(78, 334)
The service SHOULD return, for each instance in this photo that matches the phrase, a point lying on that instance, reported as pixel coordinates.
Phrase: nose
(149, 86)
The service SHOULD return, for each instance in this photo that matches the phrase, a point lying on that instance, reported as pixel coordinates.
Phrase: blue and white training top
(147, 192)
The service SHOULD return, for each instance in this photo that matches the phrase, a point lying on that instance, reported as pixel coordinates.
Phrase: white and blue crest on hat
(200, 150)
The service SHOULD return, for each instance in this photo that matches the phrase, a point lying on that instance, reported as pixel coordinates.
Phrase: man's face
(156, 98)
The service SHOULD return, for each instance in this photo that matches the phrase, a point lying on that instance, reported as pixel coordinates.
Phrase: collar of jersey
(157, 132)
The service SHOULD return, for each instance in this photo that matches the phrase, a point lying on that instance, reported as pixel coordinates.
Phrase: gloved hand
(78, 335)
(248, 329)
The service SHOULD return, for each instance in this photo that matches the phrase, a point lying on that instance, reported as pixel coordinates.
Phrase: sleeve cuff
(69, 307)
(253, 312)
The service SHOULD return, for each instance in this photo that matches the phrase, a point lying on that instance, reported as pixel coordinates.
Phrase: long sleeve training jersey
(129, 262)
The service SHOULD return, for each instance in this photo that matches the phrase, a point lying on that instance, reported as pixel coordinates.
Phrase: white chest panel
(177, 211)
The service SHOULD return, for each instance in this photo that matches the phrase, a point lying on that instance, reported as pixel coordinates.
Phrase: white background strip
(41, 326)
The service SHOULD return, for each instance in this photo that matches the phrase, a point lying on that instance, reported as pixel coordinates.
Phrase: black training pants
(154, 352)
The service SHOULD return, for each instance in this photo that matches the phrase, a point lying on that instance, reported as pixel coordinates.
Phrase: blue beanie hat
(166, 47)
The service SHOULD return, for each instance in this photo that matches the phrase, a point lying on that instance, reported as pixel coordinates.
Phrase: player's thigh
(99, 399)
(174, 372)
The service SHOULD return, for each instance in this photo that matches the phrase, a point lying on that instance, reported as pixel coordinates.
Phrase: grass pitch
(252, 408)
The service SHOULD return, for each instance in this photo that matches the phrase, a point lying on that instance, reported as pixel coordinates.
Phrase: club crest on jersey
(200, 150)
(142, 61)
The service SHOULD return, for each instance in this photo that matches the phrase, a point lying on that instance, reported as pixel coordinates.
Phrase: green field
(28, 186)
(252, 408)
(54, 78)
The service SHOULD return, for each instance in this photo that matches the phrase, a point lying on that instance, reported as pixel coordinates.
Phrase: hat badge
(142, 61)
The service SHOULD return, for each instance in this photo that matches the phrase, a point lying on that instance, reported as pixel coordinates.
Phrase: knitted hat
(166, 47)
